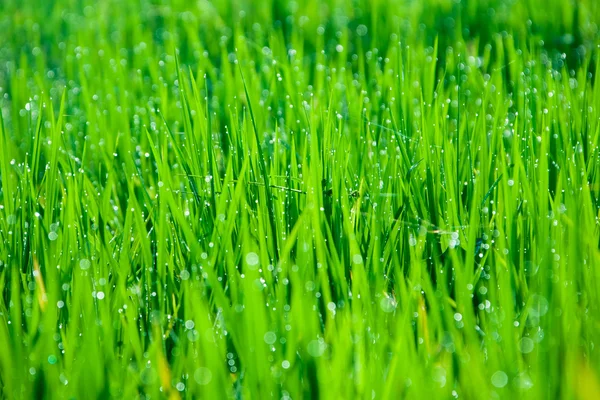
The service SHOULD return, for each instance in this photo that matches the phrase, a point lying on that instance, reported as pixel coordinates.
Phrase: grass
(338, 199)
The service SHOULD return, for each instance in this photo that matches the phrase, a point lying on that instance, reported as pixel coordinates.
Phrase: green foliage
(304, 199)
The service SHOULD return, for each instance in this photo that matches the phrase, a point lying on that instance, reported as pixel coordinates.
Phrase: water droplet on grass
(316, 348)
(387, 304)
(357, 259)
(252, 260)
(53, 236)
(412, 241)
(270, 337)
(526, 345)
(523, 381)
(84, 264)
(203, 376)
(539, 306)
(439, 375)
(499, 379)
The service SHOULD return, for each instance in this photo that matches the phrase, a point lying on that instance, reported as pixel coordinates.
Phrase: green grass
(268, 199)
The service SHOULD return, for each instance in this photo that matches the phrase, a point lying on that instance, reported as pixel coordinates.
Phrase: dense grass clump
(300, 199)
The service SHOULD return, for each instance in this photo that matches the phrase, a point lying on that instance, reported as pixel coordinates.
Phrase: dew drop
(252, 260)
(84, 264)
(270, 337)
(499, 379)
(203, 376)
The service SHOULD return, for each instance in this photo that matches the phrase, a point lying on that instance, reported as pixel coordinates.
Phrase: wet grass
(340, 199)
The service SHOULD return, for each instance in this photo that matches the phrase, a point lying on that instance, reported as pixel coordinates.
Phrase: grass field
(374, 199)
